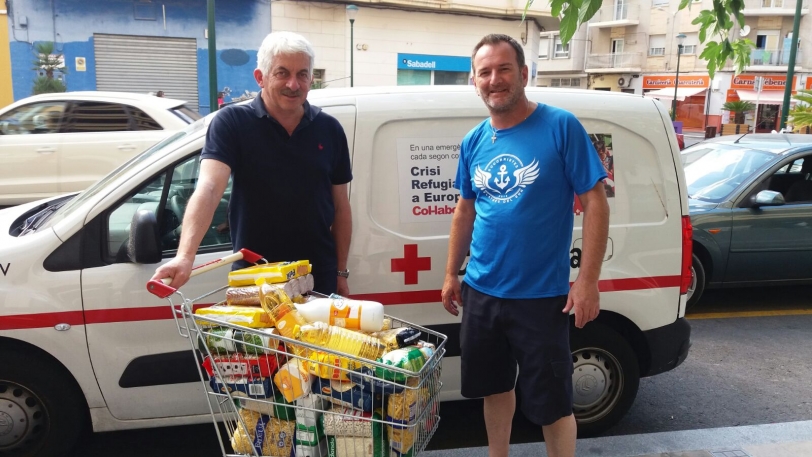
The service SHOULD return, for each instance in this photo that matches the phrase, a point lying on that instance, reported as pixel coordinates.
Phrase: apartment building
(407, 42)
(631, 46)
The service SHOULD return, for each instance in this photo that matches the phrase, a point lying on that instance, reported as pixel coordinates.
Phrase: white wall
(387, 32)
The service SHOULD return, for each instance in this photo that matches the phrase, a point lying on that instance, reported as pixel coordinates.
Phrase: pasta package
(353, 446)
(365, 378)
(277, 408)
(264, 435)
(293, 380)
(343, 421)
(401, 437)
(245, 316)
(270, 272)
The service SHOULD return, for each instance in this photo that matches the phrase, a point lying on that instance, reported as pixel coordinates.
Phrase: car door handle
(126, 147)
(46, 150)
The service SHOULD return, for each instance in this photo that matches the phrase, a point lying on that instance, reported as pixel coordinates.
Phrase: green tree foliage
(801, 114)
(739, 108)
(50, 65)
(714, 32)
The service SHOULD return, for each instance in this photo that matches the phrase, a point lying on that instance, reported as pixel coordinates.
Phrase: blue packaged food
(242, 387)
(365, 378)
(347, 394)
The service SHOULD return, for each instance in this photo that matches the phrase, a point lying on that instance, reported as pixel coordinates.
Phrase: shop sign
(809, 83)
(771, 82)
(661, 82)
(432, 62)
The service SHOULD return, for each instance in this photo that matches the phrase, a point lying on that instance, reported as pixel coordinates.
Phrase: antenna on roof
(739, 138)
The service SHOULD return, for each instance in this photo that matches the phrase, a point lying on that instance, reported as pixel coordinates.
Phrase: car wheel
(697, 285)
(605, 377)
(41, 412)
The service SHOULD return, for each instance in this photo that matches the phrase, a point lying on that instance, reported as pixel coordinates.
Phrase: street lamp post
(680, 39)
(352, 11)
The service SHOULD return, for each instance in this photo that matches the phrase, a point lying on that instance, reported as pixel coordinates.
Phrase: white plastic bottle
(363, 315)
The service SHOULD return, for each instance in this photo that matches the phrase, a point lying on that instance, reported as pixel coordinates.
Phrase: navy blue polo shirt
(281, 199)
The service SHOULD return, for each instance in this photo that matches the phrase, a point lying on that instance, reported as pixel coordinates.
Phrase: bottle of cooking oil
(341, 339)
(286, 319)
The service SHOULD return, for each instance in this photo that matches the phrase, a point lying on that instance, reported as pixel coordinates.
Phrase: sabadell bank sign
(431, 62)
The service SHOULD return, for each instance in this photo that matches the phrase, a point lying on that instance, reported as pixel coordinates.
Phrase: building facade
(405, 42)
(631, 46)
(138, 46)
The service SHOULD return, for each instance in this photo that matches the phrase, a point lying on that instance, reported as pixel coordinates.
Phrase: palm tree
(801, 114)
(738, 108)
(51, 65)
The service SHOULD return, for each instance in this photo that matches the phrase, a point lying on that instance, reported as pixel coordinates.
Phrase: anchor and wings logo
(505, 177)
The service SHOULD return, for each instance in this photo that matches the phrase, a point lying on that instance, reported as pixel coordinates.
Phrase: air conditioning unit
(624, 81)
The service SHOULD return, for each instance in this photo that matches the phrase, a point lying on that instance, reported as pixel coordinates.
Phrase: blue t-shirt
(281, 199)
(524, 185)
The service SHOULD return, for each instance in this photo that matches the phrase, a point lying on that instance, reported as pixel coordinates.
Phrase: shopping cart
(357, 408)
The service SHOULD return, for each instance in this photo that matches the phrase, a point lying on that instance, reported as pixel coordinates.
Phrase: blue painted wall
(240, 25)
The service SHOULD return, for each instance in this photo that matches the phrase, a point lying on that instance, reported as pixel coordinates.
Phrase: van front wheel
(605, 378)
(41, 412)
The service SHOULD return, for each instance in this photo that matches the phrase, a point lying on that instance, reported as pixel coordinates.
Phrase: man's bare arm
(342, 232)
(584, 295)
(459, 241)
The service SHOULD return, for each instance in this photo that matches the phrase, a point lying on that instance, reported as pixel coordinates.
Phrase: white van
(82, 342)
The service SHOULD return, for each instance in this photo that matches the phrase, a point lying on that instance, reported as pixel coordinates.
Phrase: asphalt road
(740, 371)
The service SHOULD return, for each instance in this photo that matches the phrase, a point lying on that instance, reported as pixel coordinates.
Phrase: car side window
(142, 120)
(34, 118)
(789, 180)
(181, 186)
(88, 117)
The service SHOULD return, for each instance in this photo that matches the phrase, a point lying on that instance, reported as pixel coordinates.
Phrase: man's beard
(506, 105)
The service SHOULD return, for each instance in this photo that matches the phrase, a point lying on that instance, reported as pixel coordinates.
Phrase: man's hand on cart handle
(171, 276)
(452, 298)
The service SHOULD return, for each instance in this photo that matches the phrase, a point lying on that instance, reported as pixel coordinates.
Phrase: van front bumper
(668, 346)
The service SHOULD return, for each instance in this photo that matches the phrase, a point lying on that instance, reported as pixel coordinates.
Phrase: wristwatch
(344, 273)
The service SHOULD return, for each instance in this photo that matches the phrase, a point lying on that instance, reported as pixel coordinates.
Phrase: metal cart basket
(278, 396)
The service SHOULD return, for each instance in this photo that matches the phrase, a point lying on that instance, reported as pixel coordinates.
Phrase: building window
(561, 51)
(659, 2)
(432, 78)
(690, 44)
(772, 3)
(565, 82)
(544, 48)
(656, 45)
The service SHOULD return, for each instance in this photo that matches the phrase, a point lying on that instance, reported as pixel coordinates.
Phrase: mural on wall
(70, 25)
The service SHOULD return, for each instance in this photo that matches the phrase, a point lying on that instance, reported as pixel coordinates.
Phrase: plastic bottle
(341, 339)
(278, 305)
(363, 315)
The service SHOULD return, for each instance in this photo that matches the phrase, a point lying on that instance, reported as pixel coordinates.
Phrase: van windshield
(160, 148)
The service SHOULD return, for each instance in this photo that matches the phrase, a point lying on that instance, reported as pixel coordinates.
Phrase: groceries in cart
(292, 372)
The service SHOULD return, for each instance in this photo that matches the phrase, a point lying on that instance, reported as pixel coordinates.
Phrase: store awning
(682, 92)
(767, 97)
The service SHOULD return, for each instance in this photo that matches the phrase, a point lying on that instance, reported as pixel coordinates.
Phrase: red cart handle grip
(162, 289)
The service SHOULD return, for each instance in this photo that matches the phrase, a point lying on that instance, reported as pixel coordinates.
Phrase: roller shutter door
(143, 64)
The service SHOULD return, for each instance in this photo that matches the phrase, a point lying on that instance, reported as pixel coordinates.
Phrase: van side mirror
(768, 198)
(144, 244)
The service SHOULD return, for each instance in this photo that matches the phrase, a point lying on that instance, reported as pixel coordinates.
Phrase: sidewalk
(790, 439)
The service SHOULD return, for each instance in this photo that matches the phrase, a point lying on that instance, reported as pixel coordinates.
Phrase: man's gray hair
(282, 43)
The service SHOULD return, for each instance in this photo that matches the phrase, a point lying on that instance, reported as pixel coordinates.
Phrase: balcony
(772, 60)
(623, 62)
(774, 7)
(618, 14)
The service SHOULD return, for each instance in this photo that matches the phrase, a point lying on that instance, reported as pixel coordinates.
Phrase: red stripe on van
(605, 285)
(109, 316)
(21, 321)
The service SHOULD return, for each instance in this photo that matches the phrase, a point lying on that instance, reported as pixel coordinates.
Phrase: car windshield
(146, 156)
(713, 171)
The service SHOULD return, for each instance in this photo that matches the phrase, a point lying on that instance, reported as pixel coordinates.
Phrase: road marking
(786, 312)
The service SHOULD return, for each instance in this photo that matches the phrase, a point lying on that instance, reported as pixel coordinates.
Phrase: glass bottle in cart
(341, 339)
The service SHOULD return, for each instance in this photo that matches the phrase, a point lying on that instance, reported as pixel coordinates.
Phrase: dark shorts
(497, 334)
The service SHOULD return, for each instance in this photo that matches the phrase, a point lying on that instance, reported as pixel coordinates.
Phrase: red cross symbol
(411, 264)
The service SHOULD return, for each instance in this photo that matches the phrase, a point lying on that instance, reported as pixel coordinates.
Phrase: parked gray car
(750, 199)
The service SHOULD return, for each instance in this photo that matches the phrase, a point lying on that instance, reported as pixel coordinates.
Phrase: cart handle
(162, 289)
